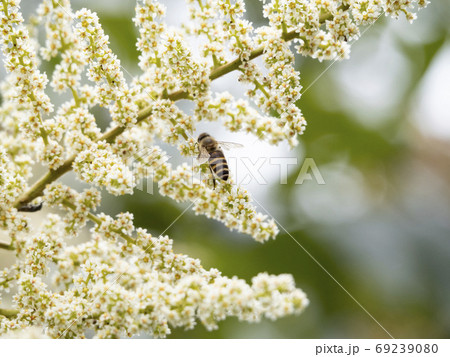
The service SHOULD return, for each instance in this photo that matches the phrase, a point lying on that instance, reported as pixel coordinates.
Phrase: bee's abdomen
(219, 164)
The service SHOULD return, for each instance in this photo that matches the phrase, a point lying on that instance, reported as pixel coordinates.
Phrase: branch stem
(8, 312)
(6, 246)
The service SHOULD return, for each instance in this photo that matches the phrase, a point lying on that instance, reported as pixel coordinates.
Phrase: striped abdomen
(219, 164)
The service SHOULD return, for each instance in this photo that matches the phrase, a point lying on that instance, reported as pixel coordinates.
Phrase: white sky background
(431, 111)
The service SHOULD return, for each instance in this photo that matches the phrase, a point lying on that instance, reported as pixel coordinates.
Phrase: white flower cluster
(40, 249)
(100, 166)
(15, 224)
(104, 69)
(12, 183)
(119, 289)
(123, 281)
(148, 12)
(165, 58)
(169, 122)
(236, 30)
(206, 24)
(61, 39)
(226, 204)
(81, 130)
(395, 8)
(341, 18)
(58, 27)
(20, 60)
(80, 205)
(27, 83)
(149, 162)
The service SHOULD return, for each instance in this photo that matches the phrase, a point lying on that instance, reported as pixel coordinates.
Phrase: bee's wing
(203, 156)
(228, 145)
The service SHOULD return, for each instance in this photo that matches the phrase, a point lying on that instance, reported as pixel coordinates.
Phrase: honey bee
(211, 150)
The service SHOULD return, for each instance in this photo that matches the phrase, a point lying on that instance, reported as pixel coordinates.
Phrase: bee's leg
(30, 208)
(213, 179)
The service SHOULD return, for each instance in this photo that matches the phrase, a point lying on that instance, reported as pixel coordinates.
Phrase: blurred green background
(379, 132)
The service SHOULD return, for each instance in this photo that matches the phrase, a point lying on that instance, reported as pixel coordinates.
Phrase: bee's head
(202, 136)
